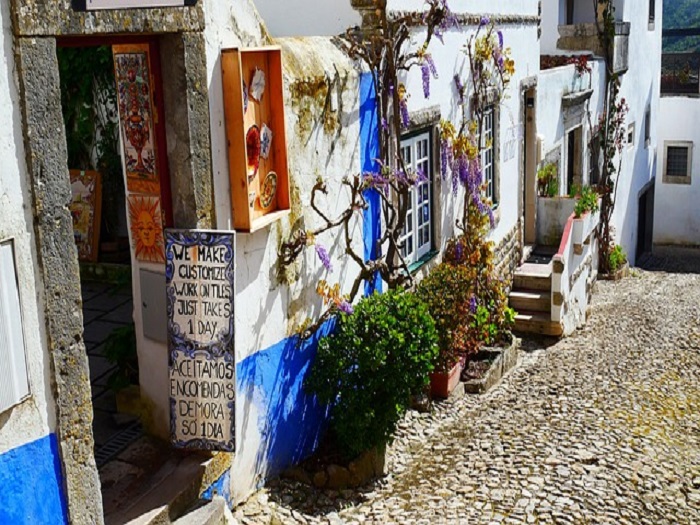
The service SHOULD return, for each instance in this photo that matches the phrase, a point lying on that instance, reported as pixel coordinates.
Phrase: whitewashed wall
(35, 417)
(307, 17)
(640, 88)
(552, 85)
(677, 214)
(449, 59)
(267, 311)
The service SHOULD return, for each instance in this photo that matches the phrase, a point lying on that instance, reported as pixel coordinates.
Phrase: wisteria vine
(489, 73)
(387, 51)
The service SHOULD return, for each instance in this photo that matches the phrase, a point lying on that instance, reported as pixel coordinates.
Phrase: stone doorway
(113, 114)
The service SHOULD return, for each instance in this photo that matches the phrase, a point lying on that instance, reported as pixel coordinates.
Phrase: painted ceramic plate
(268, 190)
(257, 85)
(265, 141)
(252, 143)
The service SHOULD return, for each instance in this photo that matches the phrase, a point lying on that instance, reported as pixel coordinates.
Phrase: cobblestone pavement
(603, 427)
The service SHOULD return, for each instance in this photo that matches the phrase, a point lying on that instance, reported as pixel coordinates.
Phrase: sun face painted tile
(146, 228)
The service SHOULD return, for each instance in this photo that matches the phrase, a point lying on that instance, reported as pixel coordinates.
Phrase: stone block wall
(507, 253)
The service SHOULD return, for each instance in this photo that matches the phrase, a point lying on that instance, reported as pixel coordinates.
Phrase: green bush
(617, 258)
(587, 202)
(367, 370)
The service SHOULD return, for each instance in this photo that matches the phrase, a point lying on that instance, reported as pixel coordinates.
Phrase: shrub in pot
(617, 258)
(447, 291)
(587, 202)
(368, 368)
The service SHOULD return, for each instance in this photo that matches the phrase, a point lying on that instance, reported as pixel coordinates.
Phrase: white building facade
(330, 117)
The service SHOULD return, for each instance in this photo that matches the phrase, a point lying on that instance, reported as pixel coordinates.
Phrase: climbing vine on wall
(387, 51)
(610, 132)
(490, 69)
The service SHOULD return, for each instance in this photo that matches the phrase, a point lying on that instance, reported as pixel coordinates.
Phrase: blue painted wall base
(290, 421)
(31, 485)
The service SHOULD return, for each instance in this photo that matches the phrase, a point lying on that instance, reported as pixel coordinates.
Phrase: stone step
(530, 300)
(537, 323)
(531, 281)
(214, 512)
(165, 495)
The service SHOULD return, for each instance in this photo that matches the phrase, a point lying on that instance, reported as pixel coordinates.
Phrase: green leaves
(368, 369)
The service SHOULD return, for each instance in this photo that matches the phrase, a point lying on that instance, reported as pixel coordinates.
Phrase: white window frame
(418, 229)
(671, 179)
(14, 378)
(488, 155)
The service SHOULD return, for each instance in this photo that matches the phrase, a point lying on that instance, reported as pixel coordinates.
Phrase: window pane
(677, 161)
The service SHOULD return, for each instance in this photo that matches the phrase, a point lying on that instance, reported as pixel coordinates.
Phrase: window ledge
(414, 267)
(667, 179)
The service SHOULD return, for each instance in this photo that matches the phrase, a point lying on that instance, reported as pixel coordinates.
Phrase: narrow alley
(602, 427)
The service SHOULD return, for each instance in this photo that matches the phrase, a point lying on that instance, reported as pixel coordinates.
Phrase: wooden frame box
(257, 197)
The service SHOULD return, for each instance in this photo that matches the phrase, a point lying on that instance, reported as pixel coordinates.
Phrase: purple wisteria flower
(324, 257)
(472, 304)
(405, 119)
(427, 69)
(459, 252)
(346, 307)
(385, 124)
(431, 64)
(425, 73)
(485, 20)
(421, 175)
(500, 39)
(449, 20)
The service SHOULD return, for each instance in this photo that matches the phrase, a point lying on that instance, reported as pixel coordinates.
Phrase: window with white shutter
(14, 383)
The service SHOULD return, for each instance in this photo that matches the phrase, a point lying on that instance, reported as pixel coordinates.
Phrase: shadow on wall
(290, 422)
(643, 169)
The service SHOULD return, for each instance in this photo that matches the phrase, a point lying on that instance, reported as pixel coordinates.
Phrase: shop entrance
(112, 105)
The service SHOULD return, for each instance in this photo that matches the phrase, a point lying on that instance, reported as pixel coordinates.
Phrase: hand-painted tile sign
(96, 5)
(132, 69)
(200, 289)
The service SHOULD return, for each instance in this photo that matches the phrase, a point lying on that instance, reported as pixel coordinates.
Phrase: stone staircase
(531, 298)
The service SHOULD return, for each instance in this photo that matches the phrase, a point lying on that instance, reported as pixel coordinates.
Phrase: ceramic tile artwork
(146, 221)
(265, 141)
(257, 85)
(85, 209)
(133, 76)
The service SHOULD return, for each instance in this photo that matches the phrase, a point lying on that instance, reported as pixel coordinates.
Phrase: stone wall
(508, 252)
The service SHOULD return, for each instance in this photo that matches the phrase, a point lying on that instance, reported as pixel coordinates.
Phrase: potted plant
(447, 291)
(547, 181)
(619, 266)
(585, 216)
(487, 340)
(120, 350)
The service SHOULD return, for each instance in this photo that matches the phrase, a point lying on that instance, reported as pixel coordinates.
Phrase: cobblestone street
(603, 427)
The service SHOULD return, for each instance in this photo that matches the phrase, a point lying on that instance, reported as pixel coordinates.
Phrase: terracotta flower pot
(443, 383)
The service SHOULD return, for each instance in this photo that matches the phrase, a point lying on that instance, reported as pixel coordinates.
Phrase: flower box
(621, 273)
(501, 361)
(442, 384)
(255, 131)
(583, 228)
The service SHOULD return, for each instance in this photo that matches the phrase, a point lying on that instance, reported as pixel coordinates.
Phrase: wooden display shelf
(238, 67)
